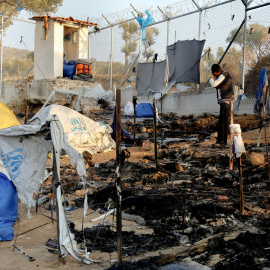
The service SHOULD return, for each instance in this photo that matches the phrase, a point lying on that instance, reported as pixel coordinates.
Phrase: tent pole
(118, 178)
(55, 181)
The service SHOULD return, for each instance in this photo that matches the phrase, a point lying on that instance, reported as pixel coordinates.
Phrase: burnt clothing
(223, 123)
(224, 83)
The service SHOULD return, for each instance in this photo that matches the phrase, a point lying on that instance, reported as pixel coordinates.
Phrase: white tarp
(81, 132)
(24, 155)
(25, 159)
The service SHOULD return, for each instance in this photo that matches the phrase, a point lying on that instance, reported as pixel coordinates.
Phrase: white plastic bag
(237, 139)
(129, 109)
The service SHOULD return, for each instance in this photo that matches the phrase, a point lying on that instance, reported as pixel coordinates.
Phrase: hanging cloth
(263, 83)
(184, 60)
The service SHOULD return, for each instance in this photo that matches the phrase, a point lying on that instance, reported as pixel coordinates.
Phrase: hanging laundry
(144, 22)
(184, 60)
(150, 77)
(263, 83)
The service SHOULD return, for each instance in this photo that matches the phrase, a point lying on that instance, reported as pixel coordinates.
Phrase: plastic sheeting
(129, 109)
(263, 83)
(239, 147)
(184, 60)
(144, 22)
(144, 110)
(8, 208)
(81, 132)
(150, 77)
(25, 160)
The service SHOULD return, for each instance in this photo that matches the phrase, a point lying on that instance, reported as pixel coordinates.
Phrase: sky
(95, 9)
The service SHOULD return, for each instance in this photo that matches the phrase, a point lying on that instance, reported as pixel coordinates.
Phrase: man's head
(216, 69)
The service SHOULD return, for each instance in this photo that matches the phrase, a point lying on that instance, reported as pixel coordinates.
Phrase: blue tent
(8, 208)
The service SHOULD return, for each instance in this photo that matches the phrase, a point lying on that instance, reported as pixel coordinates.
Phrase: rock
(143, 130)
(195, 171)
(255, 159)
(79, 193)
(165, 259)
(213, 136)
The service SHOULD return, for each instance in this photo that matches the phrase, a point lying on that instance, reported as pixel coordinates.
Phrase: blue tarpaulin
(259, 93)
(69, 69)
(8, 208)
(144, 22)
(144, 110)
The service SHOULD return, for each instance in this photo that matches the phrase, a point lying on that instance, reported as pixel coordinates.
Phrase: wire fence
(216, 24)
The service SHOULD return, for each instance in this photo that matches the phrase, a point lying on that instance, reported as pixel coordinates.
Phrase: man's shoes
(219, 144)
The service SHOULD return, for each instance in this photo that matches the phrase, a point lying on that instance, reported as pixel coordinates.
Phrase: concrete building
(56, 39)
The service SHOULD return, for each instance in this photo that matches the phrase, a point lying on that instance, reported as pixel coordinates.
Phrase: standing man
(222, 80)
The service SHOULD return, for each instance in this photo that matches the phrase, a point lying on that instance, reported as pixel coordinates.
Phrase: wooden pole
(26, 115)
(231, 135)
(55, 181)
(118, 178)
(155, 129)
(242, 200)
(134, 125)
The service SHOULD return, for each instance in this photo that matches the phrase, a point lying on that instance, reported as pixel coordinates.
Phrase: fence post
(244, 50)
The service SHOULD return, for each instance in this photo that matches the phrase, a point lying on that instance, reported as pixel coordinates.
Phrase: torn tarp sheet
(81, 132)
(150, 77)
(184, 60)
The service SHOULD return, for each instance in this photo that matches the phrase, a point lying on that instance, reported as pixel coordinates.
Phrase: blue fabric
(259, 93)
(19, 6)
(113, 126)
(144, 22)
(8, 208)
(144, 110)
(69, 69)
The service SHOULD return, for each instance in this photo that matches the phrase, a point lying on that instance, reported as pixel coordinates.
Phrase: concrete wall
(188, 103)
(48, 52)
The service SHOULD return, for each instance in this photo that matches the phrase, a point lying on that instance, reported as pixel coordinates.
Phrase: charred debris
(187, 198)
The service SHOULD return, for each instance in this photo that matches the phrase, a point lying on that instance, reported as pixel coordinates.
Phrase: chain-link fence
(113, 49)
(217, 25)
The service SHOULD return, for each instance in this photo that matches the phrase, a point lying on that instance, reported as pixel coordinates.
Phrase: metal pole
(118, 178)
(244, 50)
(111, 58)
(134, 125)
(231, 136)
(88, 47)
(200, 24)
(155, 129)
(26, 114)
